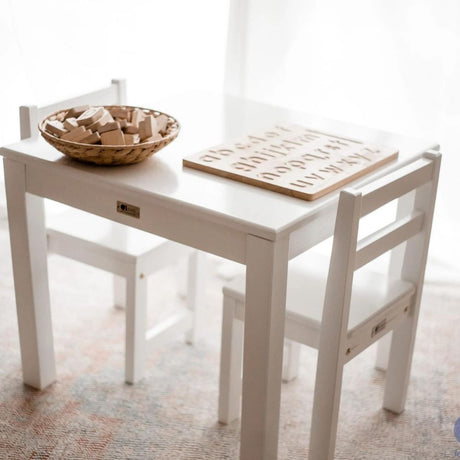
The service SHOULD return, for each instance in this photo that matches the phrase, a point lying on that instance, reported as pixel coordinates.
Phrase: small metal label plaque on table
(293, 160)
(128, 209)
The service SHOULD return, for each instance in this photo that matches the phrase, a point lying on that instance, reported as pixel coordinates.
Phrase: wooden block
(77, 111)
(70, 123)
(119, 112)
(155, 137)
(137, 116)
(76, 135)
(114, 137)
(123, 123)
(131, 139)
(92, 138)
(148, 127)
(55, 127)
(109, 127)
(106, 118)
(131, 129)
(90, 116)
(162, 122)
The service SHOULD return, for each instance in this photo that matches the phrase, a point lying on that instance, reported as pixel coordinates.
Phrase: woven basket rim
(173, 133)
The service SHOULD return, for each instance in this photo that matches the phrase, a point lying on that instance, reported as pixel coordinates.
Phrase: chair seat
(307, 278)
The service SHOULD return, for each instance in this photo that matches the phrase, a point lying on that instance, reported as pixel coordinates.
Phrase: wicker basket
(111, 154)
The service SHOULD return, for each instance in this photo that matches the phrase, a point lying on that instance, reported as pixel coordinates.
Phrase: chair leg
(196, 282)
(290, 360)
(119, 291)
(231, 363)
(326, 405)
(136, 319)
(383, 352)
(399, 365)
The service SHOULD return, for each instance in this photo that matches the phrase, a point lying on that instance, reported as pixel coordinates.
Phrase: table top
(208, 120)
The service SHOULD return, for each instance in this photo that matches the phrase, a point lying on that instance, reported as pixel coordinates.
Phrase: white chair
(130, 254)
(344, 309)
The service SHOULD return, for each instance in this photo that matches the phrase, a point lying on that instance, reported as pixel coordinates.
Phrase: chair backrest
(419, 179)
(31, 115)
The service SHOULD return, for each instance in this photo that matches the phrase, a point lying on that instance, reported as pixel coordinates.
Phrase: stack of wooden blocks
(107, 126)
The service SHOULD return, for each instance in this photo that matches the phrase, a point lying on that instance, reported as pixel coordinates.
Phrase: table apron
(316, 230)
(100, 199)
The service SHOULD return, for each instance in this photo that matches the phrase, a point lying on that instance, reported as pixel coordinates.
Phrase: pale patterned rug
(90, 413)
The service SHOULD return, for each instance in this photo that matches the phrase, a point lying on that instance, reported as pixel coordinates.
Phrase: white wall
(52, 49)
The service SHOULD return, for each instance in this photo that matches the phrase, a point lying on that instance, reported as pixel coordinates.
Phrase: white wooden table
(255, 227)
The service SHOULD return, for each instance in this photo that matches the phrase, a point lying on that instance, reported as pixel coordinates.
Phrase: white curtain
(388, 64)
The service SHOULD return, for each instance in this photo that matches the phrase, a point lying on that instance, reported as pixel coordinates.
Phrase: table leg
(30, 270)
(266, 277)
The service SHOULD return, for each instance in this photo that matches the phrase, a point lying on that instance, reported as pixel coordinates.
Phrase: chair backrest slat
(395, 185)
(388, 237)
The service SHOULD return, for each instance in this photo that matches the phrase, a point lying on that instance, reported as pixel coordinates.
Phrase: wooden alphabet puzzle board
(293, 160)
